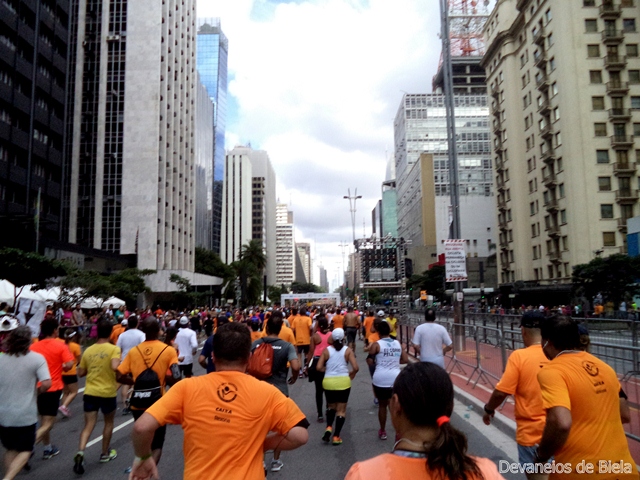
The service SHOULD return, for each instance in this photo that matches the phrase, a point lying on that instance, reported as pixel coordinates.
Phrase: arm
(125, 379)
(312, 347)
(66, 366)
(44, 386)
(295, 371)
(82, 372)
(202, 360)
(323, 359)
(115, 362)
(374, 349)
(497, 397)
(447, 348)
(294, 438)
(404, 358)
(354, 364)
(556, 431)
(175, 375)
(625, 412)
(144, 466)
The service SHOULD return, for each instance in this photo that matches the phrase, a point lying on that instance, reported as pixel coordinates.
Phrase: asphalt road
(316, 460)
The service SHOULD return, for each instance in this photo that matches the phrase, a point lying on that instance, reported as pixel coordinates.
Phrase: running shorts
(105, 404)
(69, 379)
(351, 333)
(337, 396)
(18, 439)
(303, 349)
(48, 403)
(383, 393)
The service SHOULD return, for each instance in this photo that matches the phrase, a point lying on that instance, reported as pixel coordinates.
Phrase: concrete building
(304, 263)
(204, 143)
(213, 48)
(237, 202)
(285, 246)
(264, 204)
(324, 282)
(376, 220)
(564, 80)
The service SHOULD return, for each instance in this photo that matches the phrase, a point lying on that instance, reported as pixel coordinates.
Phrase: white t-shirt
(431, 337)
(387, 363)
(186, 342)
(129, 339)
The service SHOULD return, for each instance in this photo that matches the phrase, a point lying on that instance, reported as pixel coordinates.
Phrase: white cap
(124, 322)
(8, 323)
(184, 320)
(337, 334)
(381, 313)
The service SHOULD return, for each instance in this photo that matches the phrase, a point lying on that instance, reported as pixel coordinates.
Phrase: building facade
(213, 50)
(34, 54)
(264, 202)
(285, 246)
(564, 80)
(204, 168)
(304, 263)
(237, 202)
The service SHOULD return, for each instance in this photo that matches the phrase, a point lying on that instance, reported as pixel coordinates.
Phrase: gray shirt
(18, 390)
(283, 352)
(129, 339)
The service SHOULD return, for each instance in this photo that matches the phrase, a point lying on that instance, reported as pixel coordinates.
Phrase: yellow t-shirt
(235, 412)
(76, 351)
(301, 327)
(520, 379)
(101, 379)
(392, 323)
(589, 388)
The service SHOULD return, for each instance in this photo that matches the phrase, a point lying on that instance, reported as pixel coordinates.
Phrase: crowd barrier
(481, 354)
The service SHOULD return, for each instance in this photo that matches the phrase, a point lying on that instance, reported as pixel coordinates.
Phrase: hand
(144, 470)
(352, 374)
(486, 418)
(291, 380)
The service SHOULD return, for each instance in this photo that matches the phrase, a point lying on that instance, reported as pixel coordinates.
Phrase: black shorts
(187, 370)
(383, 393)
(337, 396)
(69, 379)
(105, 404)
(48, 403)
(158, 437)
(18, 439)
(303, 349)
(351, 333)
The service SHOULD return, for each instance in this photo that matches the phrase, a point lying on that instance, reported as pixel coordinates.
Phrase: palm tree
(249, 270)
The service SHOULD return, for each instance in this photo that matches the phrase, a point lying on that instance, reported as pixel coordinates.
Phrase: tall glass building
(212, 52)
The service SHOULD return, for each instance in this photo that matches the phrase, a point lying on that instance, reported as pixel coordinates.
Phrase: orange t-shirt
(338, 321)
(286, 334)
(255, 335)
(394, 467)
(76, 351)
(135, 364)
(301, 327)
(236, 412)
(115, 333)
(374, 337)
(56, 353)
(589, 388)
(368, 323)
(520, 379)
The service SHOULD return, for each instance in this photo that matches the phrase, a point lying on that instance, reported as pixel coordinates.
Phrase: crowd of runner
(255, 355)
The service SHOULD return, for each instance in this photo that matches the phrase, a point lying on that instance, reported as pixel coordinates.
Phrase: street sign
(455, 260)
(423, 294)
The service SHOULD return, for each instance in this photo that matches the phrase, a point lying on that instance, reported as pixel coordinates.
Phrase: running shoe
(78, 463)
(50, 452)
(276, 465)
(64, 411)
(107, 457)
(126, 411)
(336, 440)
(327, 434)
(375, 401)
(382, 435)
(320, 419)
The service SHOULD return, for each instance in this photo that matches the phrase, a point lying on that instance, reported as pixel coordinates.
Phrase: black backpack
(147, 388)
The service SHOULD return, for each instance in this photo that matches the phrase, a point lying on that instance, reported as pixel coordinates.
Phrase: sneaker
(375, 401)
(50, 452)
(320, 419)
(64, 411)
(107, 457)
(327, 434)
(276, 465)
(382, 435)
(336, 440)
(78, 463)
(126, 411)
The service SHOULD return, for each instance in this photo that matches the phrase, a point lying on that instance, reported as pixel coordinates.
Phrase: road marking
(80, 390)
(119, 427)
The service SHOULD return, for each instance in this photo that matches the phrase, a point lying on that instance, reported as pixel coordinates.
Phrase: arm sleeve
(446, 339)
(173, 356)
(285, 414)
(116, 353)
(170, 407)
(292, 355)
(554, 389)
(119, 342)
(83, 363)
(206, 349)
(194, 340)
(416, 337)
(125, 367)
(42, 371)
(509, 381)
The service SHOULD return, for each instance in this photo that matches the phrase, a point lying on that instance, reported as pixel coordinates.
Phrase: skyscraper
(213, 48)
(203, 168)
(263, 203)
(304, 263)
(285, 246)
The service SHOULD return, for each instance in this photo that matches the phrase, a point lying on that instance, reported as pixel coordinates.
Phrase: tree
(274, 292)
(615, 277)
(431, 280)
(248, 270)
(126, 284)
(297, 287)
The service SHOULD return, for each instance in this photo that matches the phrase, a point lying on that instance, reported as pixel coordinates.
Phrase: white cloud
(318, 84)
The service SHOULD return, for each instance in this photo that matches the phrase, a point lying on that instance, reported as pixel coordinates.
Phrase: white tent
(6, 292)
(93, 302)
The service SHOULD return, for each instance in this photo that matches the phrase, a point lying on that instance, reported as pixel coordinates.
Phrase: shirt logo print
(227, 392)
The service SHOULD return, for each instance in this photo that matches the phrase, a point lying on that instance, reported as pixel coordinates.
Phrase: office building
(285, 246)
(204, 147)
(324, 281)
(263, 203)
(34, 54)
(213, 48)
(304, 264)
(376, 220)
(564, 80)
(236, 204)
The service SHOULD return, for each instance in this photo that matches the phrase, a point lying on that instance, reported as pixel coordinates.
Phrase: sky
(317, 84)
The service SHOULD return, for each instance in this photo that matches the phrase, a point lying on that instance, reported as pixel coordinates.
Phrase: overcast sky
(317, 84)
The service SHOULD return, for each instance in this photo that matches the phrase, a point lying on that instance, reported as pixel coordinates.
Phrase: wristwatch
(489, 411)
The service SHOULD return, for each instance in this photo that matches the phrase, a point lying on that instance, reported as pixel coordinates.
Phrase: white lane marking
(99, 439)
(80, 390)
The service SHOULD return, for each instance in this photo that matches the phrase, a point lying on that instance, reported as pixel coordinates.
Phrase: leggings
(319, 376)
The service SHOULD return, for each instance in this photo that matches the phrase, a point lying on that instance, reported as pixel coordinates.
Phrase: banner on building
(455, 260)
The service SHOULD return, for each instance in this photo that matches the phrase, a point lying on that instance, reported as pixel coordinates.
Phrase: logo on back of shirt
(227, 392)
(590, 368)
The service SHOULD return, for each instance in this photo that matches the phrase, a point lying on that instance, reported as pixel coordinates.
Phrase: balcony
(550, 180)
(617, 88)
(539, 37)
(609, 10)
(544, 108)
(555, 257)
(546, 132)
(622, 225)
(495, 93)
(548, 157)
(553, 231)
(615, 62)
(552, 205)
(500, 185)
(503, 225)
(622, 141)
(502, 204)
(611, 36)
(542, 83)
(620, 114)
(498, 146)
(497, 127)
(624, 169)
(499, 163)
(627, 195)
(540, 60)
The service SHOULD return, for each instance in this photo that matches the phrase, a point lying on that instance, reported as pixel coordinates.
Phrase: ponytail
(447, 455)
(338, 345)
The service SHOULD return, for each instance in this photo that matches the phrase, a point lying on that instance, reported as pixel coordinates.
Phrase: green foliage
(248, 270)
(79, 285)
(209, 263)
(297, 287)
(29, 268)
(274, 292)
(615, 277)
(431, 280)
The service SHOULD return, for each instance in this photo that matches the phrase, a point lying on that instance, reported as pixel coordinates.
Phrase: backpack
(147, 388)
(261, 361)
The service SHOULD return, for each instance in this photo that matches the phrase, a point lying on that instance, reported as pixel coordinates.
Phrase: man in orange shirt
(520, 380)
(580, 394)
(285, 334)
(118, 330)
(368, 324)
(301, 327)
(338, 320)
(237, 409)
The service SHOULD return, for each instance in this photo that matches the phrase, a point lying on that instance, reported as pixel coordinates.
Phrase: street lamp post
(352, 207)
